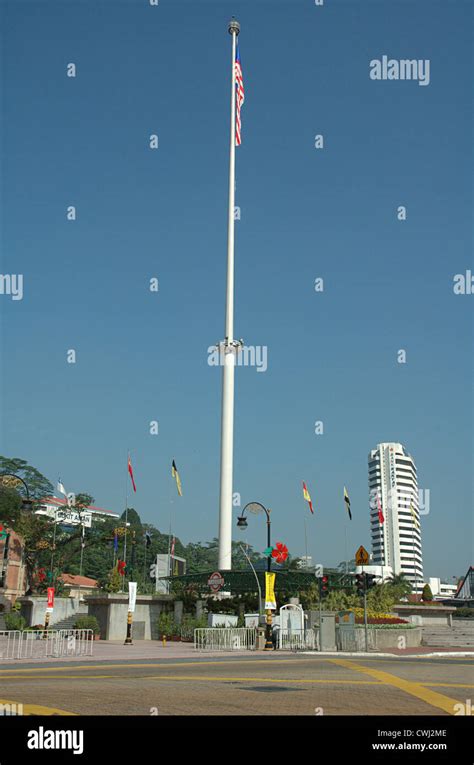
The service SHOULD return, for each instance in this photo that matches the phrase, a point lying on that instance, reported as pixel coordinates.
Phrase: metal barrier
(9, 643)
(41, 644)
(225, 638)
(297, 639)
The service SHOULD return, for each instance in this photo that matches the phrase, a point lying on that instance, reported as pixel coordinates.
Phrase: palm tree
(401, 584)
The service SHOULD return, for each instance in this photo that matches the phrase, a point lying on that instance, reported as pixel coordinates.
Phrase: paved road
(253, 685)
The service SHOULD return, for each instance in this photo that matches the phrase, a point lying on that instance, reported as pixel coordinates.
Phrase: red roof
(75, 579)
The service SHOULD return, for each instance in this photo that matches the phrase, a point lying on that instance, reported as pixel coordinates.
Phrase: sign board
(361, 557)
(66, 516)
(50, 604)
(132, 596)
(319, 571)
(215, 581)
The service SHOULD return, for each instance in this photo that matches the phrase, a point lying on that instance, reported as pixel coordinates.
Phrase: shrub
(14, 621)
(189, 624)
(464, 613)
(167, 626)
(87, 623)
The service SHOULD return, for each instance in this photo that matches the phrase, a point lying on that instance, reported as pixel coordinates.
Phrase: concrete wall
(390, 638)
(438, 616)
(111, 611)
(33, 608)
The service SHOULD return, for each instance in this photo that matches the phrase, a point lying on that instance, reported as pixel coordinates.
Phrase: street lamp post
(11, 481)
(256, 508)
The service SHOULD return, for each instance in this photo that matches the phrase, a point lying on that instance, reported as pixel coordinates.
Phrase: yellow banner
(270, 602)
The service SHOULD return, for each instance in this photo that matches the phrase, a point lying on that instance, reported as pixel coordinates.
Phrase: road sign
(215, 581)
(361, 556)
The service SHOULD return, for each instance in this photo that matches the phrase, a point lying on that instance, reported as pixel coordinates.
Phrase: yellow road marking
(207, 678)
(449, 685)
(38, 709)
(164, 663)
(433, 698)
(148, 664)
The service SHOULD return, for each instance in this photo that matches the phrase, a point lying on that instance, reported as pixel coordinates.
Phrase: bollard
(128, 639)
(164, 641)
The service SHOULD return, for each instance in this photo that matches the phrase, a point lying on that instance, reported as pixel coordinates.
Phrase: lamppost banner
(132, 596)
(270, 602)
(50, 604)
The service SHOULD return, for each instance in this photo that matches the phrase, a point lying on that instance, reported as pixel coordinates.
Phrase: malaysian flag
(380, 512)
(239, 97)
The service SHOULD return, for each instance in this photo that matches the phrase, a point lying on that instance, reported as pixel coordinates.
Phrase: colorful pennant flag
(239, 96)
(307, 497)
(115, 542)
(348, 503)
(121, 567)
(130, 470)
(175, 474)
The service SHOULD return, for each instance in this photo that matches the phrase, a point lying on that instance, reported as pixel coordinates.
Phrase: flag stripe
(239, 97)
(130, 470)
(307, 497)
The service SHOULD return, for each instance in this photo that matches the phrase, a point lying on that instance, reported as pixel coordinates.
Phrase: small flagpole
(144, 564)
(305, 541)
(82, 549)
(229, 348)
(345, 545)
(169, 548)
(126, 520)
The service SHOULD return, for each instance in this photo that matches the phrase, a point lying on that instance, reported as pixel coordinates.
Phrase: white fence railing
(40, 644)
(297, 639)
(225, 639)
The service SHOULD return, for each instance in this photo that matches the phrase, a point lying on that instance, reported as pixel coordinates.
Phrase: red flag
(381, 516)
(121, 567)
(130, 470)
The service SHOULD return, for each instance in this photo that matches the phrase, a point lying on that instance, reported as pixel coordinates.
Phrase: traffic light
(370, 581)
(360, 584)
(323, 587)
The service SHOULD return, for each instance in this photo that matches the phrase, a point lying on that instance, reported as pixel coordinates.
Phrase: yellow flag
(415, 519)
(175, 474)
(270, 602)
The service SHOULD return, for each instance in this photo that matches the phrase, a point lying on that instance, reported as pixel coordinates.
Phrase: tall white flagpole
(229, 349)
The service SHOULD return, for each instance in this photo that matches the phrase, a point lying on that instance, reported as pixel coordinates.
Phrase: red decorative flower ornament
(280, 552)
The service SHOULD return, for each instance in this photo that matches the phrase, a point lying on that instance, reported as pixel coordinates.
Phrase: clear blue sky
(305, 213)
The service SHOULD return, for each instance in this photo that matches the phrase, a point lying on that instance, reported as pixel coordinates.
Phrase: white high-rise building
(397, 541)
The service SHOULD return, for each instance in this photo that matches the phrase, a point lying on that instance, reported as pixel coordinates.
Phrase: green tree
(381, 598)
(39, 487)
(427, 594)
